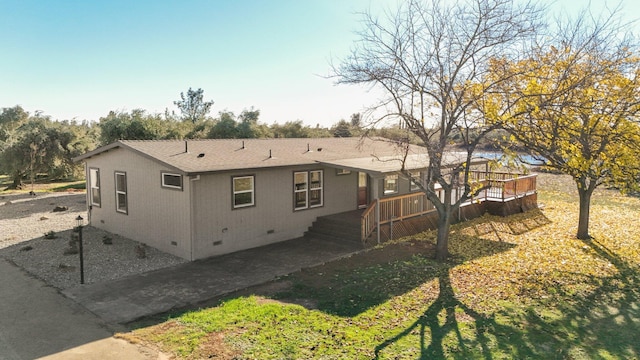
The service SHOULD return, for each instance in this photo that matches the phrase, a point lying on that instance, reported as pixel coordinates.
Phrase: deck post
(376, 196)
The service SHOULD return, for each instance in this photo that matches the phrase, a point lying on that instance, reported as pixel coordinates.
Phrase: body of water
(500, 157)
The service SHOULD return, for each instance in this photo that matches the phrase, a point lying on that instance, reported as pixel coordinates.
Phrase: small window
(173, 181)
(122, 205)
(94, 186)
(390, 184)
(315, 188)
(300, 190)
(243, 191)
(343, 172)
(308, 189)
(417, 176)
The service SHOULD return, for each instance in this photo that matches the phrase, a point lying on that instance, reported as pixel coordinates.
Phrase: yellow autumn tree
(576, 105)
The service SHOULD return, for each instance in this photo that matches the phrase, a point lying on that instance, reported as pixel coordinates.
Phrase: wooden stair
(338, 227)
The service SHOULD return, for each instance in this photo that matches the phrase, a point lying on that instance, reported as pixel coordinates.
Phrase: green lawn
(518, 287)
(4, 180)
(42, 185)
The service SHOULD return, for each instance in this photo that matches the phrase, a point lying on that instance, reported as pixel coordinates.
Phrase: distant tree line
(34, 144)
(195, 122)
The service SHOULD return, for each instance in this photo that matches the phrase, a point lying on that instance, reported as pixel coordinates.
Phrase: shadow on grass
(603, 323)
(433, 330)
(351, 291)
(514, 225)
(355, 288)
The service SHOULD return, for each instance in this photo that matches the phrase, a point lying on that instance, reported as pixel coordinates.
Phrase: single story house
(200, 198)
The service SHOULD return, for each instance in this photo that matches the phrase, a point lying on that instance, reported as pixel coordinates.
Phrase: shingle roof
(202, 156)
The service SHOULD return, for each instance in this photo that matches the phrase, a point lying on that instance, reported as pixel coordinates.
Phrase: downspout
(88, 191)
(192, 211)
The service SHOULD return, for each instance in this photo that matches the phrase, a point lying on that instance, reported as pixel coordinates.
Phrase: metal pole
(81, 254)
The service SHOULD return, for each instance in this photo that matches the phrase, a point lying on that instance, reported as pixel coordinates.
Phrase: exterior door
(363, 190)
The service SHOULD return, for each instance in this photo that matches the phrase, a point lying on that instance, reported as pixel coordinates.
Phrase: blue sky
(81, 59)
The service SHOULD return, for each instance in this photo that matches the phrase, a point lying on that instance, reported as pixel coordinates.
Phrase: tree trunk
(17, 182)
(444, 223)
(442, 240)
(585, 204)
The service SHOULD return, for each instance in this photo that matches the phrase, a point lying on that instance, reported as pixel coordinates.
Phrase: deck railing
(497, 188)
(368, 220)
(394, 208)
(504, 190)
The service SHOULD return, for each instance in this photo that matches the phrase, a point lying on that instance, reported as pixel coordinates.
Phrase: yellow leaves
(557, 102)
(534, 255)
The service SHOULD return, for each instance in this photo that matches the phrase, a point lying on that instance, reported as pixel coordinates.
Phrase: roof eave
(97, 151)
(119, 144)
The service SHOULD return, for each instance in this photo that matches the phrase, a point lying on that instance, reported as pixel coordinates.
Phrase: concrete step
(336, 221)
(331, 237)
(346, 227)
(337, 229)
(313, 232)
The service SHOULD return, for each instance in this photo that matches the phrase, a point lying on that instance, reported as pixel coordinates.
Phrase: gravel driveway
(24, 220)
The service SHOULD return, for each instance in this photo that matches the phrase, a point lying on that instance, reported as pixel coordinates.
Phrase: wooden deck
(408, 214)
(503, 188)
(429, 221)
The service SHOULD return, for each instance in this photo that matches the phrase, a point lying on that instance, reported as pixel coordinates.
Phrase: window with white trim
(390, 184)
(315, 188)
(417, 176)
(243, 191)
(171, 180)
(300, 180)
(94, 187)
(122, 205)
(308, 189)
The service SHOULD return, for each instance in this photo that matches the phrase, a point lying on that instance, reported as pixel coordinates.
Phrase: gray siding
(200, 219)
(272, 219)
(157, 216)
(404, 187)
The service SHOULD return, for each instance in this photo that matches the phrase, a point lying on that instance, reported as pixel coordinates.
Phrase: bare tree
(425, 58)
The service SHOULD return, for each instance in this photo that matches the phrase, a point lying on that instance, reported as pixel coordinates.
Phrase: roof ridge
(249, 139)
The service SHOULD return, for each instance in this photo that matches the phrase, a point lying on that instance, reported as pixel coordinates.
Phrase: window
(343, 172)
(94, 187)
(300, 190)
(315, 189)
(390, 184)
(243, 191)
(308, 189)
(173, 181)
(417, 176)
(121, 192)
